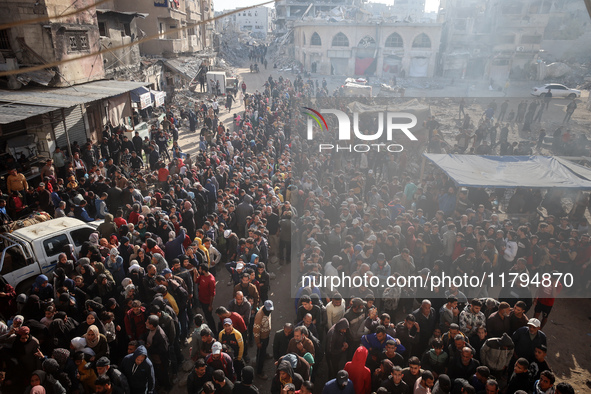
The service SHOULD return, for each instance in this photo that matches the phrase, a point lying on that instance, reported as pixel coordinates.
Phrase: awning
(512, 171)
(142, 95)
(70, 96)
(118, 108)
(158, 97)
(14, 112)
(127, 13)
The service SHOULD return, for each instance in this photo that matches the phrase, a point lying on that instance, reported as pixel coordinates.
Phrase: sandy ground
(569, 326)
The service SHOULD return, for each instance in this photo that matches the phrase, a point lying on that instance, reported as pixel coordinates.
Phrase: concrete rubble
(234, 47)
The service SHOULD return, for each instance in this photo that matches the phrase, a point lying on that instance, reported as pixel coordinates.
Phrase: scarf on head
(38, 390)
(61, 355)
(92, 342)
(204, 249)
(286, 381)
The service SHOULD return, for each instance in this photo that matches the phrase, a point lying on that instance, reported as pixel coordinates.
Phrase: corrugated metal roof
(70, 96)
(14, 112)
(187, 67)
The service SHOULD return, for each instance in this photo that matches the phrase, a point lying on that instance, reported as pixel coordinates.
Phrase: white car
(557, 90)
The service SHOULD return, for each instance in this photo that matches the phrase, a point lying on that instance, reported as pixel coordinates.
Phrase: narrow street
(284, 310)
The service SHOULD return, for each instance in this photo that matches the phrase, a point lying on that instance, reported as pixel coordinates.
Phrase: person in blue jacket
(376, 343)
(139, 371)
(341, 385)
(447, 202)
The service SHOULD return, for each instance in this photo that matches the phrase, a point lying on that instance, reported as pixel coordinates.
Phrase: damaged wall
(62, 38)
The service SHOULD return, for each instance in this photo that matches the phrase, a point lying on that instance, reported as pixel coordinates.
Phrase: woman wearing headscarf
(160, 263)
(99, 268)
(77, 294)
(42, 288)
(54, 374)
(103, 288)
(65, 264)
(10, 335)
(25, 350)
(202, 251)
(113, 241)
(59, 333)
(97, 342)
(70, 252)
(140, 255)
(67, 366)
(129, 291)
(136, 274)
(164, 229)
(114, 263)
(87, 272)
(32, 308)
(91, 245)
(41, 382)
(59, 277)
(141, 229)
(91, 320)
(152, 247)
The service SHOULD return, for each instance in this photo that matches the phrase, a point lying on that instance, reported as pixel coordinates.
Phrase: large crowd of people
(116, 316)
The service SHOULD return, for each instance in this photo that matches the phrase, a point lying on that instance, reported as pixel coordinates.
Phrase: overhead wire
(130, 44)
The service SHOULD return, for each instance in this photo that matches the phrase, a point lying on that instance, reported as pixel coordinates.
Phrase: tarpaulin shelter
(512, 171)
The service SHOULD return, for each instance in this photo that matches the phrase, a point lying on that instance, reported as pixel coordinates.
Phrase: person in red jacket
(237, 320)
(135, 321)
(359, 374)
(206, 283)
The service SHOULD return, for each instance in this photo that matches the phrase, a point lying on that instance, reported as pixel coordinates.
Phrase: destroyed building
(171, 21)
(496, 39)
(116, 29)
(52, 41)
(289, 11)
(255, 20)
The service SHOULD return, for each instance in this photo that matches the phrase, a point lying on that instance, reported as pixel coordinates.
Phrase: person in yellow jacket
(16, 182)
(232, 338)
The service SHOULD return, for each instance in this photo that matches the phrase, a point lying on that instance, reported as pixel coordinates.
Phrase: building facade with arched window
(385, 50)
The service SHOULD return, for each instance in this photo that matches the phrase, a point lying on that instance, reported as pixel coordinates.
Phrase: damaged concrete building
(166, 18)
(117, 28)
(43, 43)
(289, 11)
(349, 41)
(495, 39)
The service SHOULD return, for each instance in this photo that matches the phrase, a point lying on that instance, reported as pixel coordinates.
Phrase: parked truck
(34, 250)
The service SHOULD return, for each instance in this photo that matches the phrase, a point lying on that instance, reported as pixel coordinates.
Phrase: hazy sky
(220, 5)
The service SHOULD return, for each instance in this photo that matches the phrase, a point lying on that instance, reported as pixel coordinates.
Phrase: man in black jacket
(281, 341)
(157, 345)
(198, 377)
(118, 380)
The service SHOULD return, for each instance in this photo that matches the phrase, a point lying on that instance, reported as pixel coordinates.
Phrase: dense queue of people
(115, 317)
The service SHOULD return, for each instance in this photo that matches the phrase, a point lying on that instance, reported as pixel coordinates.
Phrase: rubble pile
(234, 48)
